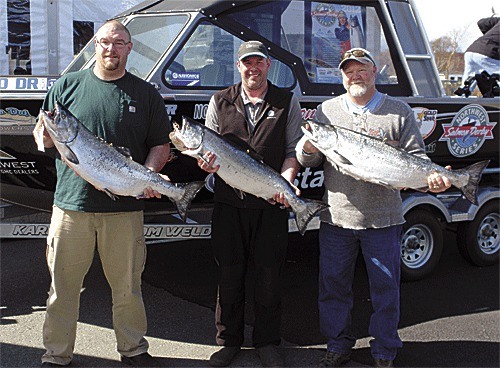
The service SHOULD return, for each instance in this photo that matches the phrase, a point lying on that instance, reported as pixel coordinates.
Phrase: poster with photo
(336, 28)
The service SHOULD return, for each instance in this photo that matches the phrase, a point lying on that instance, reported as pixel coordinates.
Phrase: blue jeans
(338, 252)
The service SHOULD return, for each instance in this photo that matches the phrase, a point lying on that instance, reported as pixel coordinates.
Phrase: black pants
(243, 238)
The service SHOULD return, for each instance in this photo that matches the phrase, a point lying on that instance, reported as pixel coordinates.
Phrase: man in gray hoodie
(362, 215)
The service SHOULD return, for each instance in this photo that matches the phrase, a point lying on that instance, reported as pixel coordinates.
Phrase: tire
(421, 245)
(479, 240)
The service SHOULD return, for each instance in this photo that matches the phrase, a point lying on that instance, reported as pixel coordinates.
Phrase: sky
(442, 16)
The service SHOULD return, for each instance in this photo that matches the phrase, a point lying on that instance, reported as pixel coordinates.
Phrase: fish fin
(197, 154)
(384, 184)
(70, 156)
(475, 171)
(422, 189)
(190, 191)
(305, 211)
(239, 193)
(124, 151)
(341, 159)
(193, 153)
(110, 194)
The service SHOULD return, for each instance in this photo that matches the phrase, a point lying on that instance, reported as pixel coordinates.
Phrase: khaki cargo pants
(71, 245)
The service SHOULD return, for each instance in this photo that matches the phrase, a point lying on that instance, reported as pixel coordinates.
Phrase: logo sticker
(426, 120)
(186, 79)
(14, 121)
(468, 130)
(325, 15)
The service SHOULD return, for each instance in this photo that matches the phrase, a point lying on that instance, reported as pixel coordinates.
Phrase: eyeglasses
(356, 53)
(105, 44)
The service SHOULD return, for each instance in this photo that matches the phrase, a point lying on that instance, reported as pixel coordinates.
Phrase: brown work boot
(224, 356)
(269, 356)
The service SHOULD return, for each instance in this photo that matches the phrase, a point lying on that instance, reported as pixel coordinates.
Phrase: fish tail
(189, 192)
(475, 171)
(305, 211)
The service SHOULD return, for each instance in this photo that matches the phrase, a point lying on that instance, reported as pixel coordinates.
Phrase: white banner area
(51, 30)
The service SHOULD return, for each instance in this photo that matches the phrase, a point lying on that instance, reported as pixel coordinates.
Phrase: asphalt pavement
(450, 319)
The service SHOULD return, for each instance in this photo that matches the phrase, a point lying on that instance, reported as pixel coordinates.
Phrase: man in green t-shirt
(126, 111)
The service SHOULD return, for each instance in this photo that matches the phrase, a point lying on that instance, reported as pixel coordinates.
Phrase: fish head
(189, 136)
(323, 136)
(61, 124)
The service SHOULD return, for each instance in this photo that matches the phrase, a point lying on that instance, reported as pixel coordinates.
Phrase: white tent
(51, 27)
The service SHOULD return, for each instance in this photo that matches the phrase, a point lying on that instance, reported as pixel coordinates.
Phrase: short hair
(117, 25)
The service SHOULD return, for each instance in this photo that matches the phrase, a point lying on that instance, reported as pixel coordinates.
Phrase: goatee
(358, 90)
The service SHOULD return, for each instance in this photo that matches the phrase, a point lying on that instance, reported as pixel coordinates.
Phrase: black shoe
(224, 356)
(382, 363)
(269, 356)
(332, 359)
(141, 360)
(50, 364)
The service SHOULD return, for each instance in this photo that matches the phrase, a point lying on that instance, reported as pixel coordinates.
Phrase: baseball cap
(252, 48)
(361, 55)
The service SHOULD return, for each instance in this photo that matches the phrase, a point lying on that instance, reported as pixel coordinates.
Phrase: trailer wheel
(479, 240)
(421, 245)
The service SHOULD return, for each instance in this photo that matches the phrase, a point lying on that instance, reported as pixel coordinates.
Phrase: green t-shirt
(127, 112)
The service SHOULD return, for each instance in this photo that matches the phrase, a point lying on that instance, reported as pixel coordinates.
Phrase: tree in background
(449, 60)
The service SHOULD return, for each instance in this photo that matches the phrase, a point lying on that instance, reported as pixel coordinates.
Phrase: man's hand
(206, 162)
(150, 193)
(280, 197)
(438, 183)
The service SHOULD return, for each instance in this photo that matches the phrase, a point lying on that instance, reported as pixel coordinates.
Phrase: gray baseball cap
(360, 55)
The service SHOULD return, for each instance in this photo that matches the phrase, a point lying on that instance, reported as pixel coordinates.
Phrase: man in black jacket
(482, 54)
(251, 233)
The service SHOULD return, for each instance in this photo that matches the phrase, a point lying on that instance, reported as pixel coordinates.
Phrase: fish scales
(380, 163)
(236, 166)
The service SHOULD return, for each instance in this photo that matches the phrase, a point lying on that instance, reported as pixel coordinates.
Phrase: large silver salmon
(107, 168)
(370, 159)
(241, 171)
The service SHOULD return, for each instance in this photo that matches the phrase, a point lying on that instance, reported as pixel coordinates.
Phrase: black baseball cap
(252, 48)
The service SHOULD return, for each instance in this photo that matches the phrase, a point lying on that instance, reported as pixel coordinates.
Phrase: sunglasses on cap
(356, 53)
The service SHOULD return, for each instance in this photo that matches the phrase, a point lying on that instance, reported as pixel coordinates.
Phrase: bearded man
(362, 216)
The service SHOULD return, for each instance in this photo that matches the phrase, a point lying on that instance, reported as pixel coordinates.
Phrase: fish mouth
(179, 134)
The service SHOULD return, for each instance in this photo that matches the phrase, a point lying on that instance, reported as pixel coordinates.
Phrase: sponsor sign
(335, 28)
(151, 231)
(328, 75)
(468, 130)
(38, 84)
(10, 166)
(426, 120)
(16, 121)
(186, 79)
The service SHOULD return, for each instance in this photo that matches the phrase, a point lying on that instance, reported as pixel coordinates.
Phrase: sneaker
(141, 360)
(269, 356)
(50, 364)
(332, 359)
(224, 356)
(382, 363)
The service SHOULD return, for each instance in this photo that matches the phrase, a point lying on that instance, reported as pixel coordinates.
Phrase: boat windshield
(151, 37)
